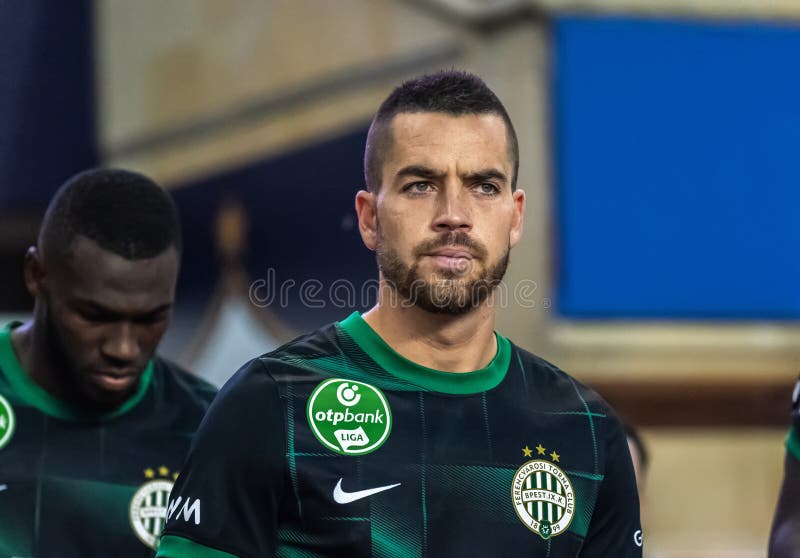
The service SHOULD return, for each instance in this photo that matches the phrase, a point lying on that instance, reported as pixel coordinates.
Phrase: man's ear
(34, 272)
(367, 211)
(518, 217)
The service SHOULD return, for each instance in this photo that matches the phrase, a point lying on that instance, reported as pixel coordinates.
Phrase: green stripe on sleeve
(793, 443)
(178, 547)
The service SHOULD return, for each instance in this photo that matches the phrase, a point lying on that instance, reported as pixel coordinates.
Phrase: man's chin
(447, 298)
(107, 391)
(445, 309)
(436, 273)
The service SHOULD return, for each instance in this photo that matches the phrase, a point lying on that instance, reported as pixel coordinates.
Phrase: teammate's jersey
(793, 438)
(86, 486)
(336, 445)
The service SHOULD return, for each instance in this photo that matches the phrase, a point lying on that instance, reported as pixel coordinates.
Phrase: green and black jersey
(73, 485)
(335, 445)
(793, 438)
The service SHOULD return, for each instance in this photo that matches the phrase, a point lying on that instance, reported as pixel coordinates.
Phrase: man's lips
(456, 260)
(451, 253)
(112, 380)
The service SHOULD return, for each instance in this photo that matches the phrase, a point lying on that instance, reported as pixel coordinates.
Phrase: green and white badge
(7, 421)
(543, 497)
(348, 417)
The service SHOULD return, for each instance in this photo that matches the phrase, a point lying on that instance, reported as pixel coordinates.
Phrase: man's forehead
(90, 268)
(476, 139)
(421, 124)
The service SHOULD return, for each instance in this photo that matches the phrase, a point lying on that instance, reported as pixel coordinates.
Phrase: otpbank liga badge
(348, 417)
(543, 496)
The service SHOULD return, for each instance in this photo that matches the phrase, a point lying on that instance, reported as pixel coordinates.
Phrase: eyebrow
(427, 172)
(95, 307)
(486, 174)
(420, 171)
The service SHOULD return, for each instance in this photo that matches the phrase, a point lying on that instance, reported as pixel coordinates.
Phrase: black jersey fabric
(79, 485)
(461, 446)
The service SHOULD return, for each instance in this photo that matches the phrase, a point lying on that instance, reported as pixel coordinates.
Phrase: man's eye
(488, 188)
(418, 187)
(152, 318)
(97, 315)
(90, 315)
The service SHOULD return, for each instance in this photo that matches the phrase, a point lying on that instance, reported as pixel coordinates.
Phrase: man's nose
(453, 210)
(121, 343)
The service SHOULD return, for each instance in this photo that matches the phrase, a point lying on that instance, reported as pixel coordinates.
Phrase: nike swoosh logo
(3, 487)
(342, 497)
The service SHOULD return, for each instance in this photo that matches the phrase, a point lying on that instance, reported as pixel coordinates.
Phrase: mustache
(452, 238)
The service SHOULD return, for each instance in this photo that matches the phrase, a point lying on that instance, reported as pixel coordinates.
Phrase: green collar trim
(33, 394)
(456, 383)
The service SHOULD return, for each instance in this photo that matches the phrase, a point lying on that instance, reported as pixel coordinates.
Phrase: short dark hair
(450, 92)
(124, 212)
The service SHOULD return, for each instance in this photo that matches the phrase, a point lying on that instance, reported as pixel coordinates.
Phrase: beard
(453, 291)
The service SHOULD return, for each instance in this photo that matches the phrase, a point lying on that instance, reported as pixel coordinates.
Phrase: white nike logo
(3, 487)
(342, 497)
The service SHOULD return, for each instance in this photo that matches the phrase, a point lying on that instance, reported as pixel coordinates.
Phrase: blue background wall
(677, 169)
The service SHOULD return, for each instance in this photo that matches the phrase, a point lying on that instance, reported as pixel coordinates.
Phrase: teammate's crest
(543, 496)
(148, 508)
(7, 421)
(348, 417)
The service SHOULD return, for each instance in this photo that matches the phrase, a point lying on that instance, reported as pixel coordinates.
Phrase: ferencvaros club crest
(543, 497)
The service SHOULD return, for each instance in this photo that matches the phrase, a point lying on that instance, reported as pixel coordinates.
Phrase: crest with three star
(542, 493)
(148, 506)
(540, 450)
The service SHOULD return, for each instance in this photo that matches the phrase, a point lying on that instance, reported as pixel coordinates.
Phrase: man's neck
(450, 343)
(36, 358)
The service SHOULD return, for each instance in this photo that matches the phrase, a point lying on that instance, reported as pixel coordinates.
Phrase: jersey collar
(457, 383)
(32, 393)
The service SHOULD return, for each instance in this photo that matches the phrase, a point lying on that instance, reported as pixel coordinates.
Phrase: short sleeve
(615, 528)
(225, 500)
